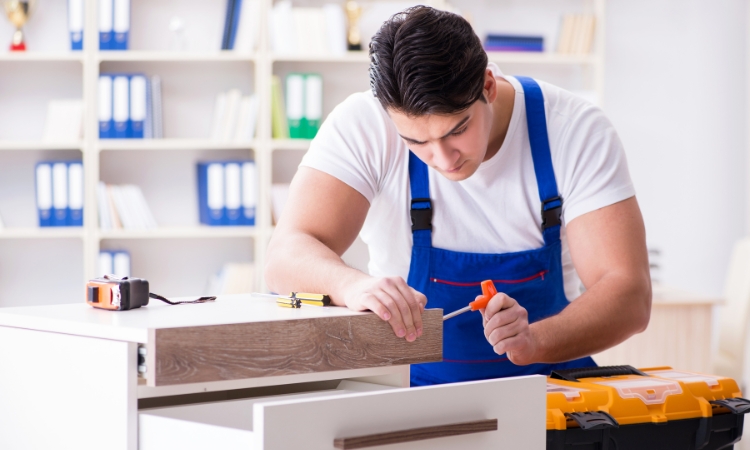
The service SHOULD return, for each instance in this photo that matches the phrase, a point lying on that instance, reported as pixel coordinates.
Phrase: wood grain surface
(274, 348)
(416, 434)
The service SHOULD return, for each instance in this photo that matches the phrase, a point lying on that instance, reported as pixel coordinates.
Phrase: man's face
(454, 145)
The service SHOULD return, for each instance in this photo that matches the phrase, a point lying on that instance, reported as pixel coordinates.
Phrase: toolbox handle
(592, 372)
(416, 434)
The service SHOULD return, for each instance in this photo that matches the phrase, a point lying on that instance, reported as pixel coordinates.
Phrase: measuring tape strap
(165, 300)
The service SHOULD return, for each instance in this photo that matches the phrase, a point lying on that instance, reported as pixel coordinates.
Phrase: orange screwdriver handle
(488, 291)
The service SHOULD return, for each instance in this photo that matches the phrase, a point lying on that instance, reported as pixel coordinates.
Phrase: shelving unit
(179, 257)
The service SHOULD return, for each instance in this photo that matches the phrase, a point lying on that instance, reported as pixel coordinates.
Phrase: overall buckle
(421, 219)
(551, 216)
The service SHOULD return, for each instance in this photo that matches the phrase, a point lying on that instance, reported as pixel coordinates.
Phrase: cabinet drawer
(499, 414)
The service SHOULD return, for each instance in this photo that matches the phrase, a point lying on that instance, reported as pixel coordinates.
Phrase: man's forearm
(299, 262)
(614, 309)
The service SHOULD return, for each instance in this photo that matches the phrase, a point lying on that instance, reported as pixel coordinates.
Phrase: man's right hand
(392, 300)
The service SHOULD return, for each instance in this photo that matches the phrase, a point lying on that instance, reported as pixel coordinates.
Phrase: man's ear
(490, 86)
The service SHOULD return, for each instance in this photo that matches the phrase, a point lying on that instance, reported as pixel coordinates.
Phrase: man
(454, 173)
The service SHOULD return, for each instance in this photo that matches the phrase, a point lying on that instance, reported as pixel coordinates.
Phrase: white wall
(676, 85)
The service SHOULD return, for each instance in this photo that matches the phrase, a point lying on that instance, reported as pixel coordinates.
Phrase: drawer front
(461, 415)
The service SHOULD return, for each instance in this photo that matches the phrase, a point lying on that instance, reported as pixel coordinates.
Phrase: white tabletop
(83, 320)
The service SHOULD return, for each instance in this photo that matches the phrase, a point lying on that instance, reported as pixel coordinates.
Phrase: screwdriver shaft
(455, 313)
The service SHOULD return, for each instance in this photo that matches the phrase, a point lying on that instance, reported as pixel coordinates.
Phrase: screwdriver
(488, 291)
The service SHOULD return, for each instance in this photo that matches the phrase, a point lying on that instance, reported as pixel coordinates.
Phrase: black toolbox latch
(593, 420)
(737, 405)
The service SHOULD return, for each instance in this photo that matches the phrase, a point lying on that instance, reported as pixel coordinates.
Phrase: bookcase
(51, 265)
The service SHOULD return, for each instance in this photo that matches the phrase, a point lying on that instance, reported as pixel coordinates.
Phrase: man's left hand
(506, 327)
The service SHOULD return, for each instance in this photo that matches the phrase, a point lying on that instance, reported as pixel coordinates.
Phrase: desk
(678, 334)
(240, 373)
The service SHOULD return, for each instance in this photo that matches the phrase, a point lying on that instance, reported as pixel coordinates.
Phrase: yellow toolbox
(623, 408)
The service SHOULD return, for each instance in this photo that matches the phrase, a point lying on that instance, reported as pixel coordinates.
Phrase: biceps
(325, 208)
(609, 240)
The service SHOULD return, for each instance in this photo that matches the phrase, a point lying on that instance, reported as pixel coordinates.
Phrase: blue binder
(121, 106)
(44, 193)
(237, 8)
(59, 194)
(138, 105)
(75, 194)
(249, 193)
(75, 24)
(121, 25)
(106, 24)
(106, 124)
(233, 192)
(211, 193)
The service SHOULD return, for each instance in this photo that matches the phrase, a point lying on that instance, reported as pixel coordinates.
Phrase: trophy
(18, 12)
(353, 37)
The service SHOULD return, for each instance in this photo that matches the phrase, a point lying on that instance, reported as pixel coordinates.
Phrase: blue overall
(450, 280)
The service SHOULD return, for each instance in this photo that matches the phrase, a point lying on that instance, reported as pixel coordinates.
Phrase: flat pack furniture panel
(498, 414)
(285, 347)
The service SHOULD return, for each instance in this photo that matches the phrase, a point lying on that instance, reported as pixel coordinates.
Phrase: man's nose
(444, 156)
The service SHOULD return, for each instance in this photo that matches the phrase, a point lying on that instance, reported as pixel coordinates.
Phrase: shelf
(539, 58)
(137, 55)
(171, 144)
(290, 144)
(41, 56)
(42, 233)
(349, 57)
(39, 145)
(180, 233)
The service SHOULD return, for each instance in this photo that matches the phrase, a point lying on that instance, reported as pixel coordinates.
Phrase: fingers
(499, 302)
(400, 300)
(504, 318)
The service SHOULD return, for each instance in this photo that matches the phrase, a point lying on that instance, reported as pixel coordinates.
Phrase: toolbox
(623, 408)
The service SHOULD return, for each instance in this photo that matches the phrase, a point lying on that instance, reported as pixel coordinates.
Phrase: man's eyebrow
(453, 130)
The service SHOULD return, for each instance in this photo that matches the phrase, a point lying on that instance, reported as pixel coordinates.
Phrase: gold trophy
(18, 12)
(353, 36)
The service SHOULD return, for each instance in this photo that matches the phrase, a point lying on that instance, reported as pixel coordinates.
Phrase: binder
(295, 108)
(233, 193)
(313, 105)
(211, 193)
(104, 264)
(121, 263)
(106, 23)
(59, 194)
(75, 194)
(138, 109)
(106, 125)
(236, 10)
(121, 24)
(75, 24)
(249, 193)
(44, 193)
(121, 106)
(228, 21)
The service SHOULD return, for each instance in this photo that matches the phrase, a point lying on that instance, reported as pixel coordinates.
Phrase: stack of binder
(114, 24)
(129, 106)
(114, 262)
(227, 193)
(241, 25)
(59, 193)
(304, 104)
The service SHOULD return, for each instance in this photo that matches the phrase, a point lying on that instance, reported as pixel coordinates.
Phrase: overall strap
(540, 154)
(421, 205)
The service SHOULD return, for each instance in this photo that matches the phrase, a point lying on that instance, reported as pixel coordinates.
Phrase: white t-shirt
(497, 209)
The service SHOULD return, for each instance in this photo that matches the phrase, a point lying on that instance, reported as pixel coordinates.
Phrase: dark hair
(427, 61)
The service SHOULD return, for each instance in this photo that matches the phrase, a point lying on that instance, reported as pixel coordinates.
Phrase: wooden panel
(416, 434)
(284, 347)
